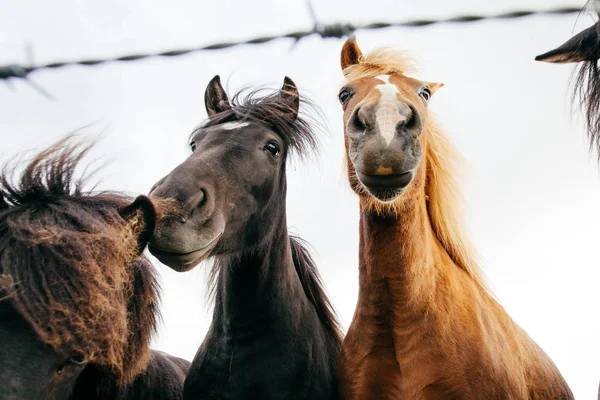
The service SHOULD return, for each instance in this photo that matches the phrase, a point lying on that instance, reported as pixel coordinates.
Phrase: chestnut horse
(425, 327)
(78, 302)
(583, 48)
(273, 334)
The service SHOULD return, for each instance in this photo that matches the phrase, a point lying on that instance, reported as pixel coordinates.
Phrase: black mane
(313, 286)
(586, 94)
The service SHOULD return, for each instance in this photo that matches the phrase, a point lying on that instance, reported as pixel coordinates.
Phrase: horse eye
(425, 93)
(273, 149)
(345, 95)
(76, 360)
(193, 146)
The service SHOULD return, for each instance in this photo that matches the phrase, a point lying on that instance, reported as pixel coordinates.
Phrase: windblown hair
(313, 286)
(586, 94)
(443, 162)
(277, 113)
(382, 61)
(71, 267)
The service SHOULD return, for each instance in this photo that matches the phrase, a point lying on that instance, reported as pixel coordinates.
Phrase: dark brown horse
(78, 301)
(273, 333)
(425, 327)
(583, 48)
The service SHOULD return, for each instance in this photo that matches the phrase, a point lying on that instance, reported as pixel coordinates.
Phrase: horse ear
(434, 86)
(351, 53)
(582, 47)
(215, 98)
(141, 218)
(289, 93)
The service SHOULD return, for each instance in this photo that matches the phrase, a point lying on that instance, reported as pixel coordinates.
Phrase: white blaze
(229, 126)
(388, 114)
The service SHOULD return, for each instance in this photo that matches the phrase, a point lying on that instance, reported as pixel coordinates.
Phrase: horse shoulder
(163, 378)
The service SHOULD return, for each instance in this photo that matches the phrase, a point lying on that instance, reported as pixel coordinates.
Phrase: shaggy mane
(69, 264)
(443, 162)
(270, 109)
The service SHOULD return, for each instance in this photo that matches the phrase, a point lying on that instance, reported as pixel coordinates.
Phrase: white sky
(533, 192)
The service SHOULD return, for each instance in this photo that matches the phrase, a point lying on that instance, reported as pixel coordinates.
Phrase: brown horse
(583, 48)
(78, 302)
(425, 327)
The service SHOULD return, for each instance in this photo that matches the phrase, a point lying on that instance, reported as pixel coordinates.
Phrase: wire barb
(21, 72)
(13, 71)
(311, 11)
(337, 30)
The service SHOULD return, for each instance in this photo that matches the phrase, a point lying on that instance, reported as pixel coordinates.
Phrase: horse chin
(386, 188)
(183, 262)
(386, 195)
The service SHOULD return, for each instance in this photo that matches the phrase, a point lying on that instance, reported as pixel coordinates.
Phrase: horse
(425, 326)
(274, 333)
(78, 301)
(583, 48)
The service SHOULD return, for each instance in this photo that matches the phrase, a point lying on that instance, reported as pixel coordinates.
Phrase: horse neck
(256, 287)
(400, 251)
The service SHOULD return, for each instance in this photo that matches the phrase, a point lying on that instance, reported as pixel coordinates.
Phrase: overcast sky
(533, 192)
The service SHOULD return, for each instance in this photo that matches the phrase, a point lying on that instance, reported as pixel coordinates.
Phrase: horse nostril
(412, 121)
(157, 184)
(197, 201)
(409, 122)
(358, 123)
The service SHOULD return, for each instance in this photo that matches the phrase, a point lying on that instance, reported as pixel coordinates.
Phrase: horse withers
(273, 333)
(78, 301)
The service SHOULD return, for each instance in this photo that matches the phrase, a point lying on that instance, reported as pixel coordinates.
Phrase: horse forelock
(298, 131)
(383, 61)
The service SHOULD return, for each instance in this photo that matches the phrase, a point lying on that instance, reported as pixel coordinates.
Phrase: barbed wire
(337, 30)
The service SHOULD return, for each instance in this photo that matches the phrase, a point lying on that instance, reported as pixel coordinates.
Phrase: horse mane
(70, 266)
(445, 201)
(586, 94)
(313, 286)
(443, 162)
(308, 273)
(277, 113)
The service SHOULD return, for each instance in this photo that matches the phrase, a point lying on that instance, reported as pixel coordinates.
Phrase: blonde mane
(443, 165)
(445, 201)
